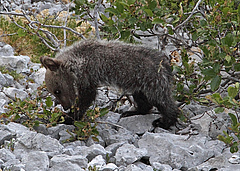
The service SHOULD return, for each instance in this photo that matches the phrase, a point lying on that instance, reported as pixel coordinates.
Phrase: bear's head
(59, 81)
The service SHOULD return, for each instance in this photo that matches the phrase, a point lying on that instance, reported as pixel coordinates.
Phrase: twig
(196, 6)
(96, 9)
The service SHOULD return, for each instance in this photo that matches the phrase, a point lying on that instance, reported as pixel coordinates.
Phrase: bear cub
(75, 73)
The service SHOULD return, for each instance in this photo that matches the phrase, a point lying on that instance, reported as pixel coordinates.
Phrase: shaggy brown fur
(77, 71)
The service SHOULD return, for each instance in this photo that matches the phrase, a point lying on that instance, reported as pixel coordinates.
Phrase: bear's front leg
(82, 102)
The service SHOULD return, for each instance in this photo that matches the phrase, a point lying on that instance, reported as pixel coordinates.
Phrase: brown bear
(75, 73)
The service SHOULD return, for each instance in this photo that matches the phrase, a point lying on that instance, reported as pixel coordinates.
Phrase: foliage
(32, 112)
(27, 40)
(212, 26)
(226, 103)
(16, 76)
(87, 127)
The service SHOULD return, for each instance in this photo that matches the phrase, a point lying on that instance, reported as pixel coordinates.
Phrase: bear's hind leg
(169, 116)
(143, 106)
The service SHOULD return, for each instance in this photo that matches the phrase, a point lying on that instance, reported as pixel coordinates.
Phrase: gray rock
(17, 129)
(3, 102)
(139, 123)
(13, 165)
(111, 136)
(194, 109)
(143, 166)
(6, 155)
(3, 96)
(128, 154)
(159, 166)
(98, 162)
(36, 160)
(6, 50)
(113, 148)
(37, 141)
(111, 117)
(95, 150)
(109, 167)
(1, 162)
(3, 80)
(17, 63)
(212, 124)
(133, 167)
(9, 80)
(176, 150)
(5, 134)
(39, 76)
(34, 66)
(219, 162)
(91, 141)
(64, 136)
(54, 131)
(14, 93)
(41, 128)
(80, 150)
(64, 162)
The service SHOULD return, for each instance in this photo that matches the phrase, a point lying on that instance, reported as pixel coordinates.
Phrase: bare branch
(96, 9)
(195, 8)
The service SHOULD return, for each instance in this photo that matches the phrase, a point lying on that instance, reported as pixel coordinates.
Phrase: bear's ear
(50, 63)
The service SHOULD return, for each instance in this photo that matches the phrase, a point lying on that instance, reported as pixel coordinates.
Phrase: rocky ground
(131, 146)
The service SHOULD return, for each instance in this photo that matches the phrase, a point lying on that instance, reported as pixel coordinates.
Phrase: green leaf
(21, 32)
(233, 118)
(216, 68)
(79, 124)
(205, 51)
(228, 40)
(149, 12)
(95, 139)
(215, 83)
(228, 59)
(203, 23)
(157, 21)
(103, 112)
(36, 123)
(170, 30)
(219, 109)
(217, 98)
(49, 102)
(112, 10)
(209, 73)
(124, 4)
(79, 2)
(225, 11)
(234, 147)
(104, 18)
(237, 66)
(130, 2)
(232, 92)
(194, 36)
(119, 7)
(152, 4)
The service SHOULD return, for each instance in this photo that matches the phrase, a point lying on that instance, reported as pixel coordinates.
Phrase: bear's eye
(57, 92)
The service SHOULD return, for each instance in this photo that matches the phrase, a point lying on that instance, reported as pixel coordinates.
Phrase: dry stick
(40, 24)
(196, 6)
(96, 9)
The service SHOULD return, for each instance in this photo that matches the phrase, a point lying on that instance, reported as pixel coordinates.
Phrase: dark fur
(78, 70)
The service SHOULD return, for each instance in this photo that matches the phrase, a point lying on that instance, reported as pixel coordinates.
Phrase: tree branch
(196, 6)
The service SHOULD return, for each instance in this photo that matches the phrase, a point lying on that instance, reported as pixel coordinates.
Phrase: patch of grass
(26, 42)
(16, 76)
